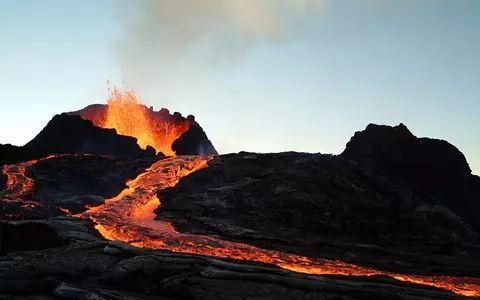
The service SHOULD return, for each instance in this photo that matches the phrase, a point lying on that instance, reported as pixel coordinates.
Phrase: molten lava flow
(129, 217)
(19, 184)
(19, 189)
(128, 116)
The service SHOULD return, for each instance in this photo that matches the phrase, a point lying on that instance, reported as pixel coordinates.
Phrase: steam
(160, 34)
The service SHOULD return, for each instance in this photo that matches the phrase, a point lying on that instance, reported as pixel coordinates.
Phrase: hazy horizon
(295, 77)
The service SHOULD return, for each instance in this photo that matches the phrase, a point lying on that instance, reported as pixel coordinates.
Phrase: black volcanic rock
(3, 181)
(92, 112)
(27, 236)
(72, 134)
(398, 151)
(10, 154)
(194, 142)
(430, 166)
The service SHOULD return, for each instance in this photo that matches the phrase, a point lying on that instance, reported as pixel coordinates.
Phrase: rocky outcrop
(194, 142)
(399, 152)
(72, 134)
(432, 167)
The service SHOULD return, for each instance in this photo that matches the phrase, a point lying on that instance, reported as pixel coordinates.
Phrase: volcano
(120, 201)
(167, 133)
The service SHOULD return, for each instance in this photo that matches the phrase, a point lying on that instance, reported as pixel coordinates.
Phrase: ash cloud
(162, 38)
(161, 34)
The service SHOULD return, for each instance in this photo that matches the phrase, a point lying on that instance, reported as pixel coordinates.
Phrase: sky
(273, 77)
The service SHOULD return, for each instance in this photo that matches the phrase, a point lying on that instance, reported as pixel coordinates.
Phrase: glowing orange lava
(128, 116)
(129, 217)
(19, 185)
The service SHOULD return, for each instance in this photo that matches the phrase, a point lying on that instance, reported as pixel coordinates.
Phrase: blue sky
(415, 62)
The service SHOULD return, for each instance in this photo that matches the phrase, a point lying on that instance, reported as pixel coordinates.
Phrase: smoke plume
(160, 34)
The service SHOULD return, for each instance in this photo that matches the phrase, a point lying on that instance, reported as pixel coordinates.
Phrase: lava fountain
(129, 116)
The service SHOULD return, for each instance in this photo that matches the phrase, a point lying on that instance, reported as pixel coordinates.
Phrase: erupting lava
(128, 116)
(129, 217)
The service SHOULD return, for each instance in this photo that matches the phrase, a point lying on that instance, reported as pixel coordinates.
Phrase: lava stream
(129, 217)
(19, 185)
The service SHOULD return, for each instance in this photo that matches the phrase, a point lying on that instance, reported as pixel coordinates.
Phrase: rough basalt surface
(362, 206)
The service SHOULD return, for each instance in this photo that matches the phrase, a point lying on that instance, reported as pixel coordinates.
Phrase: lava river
(129, 217)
